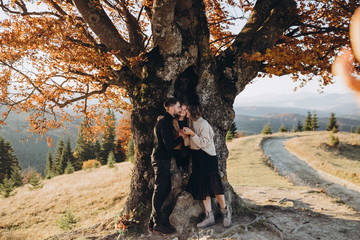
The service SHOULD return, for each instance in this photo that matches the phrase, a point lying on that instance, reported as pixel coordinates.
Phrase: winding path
(300, 173)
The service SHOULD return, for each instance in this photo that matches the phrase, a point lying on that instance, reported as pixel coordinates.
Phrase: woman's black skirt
(205, 179)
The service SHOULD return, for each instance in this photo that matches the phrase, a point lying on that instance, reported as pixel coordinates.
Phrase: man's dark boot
(151, 225)
(163, 229)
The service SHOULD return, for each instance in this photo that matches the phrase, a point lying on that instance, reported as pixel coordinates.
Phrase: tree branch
(267, 22)
(96, 17)
(136, 36)
(24, 11)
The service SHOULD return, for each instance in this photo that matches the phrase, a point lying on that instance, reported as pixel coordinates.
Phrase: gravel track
(300, 173)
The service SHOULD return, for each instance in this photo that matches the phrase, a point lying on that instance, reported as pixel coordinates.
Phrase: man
(164, 143)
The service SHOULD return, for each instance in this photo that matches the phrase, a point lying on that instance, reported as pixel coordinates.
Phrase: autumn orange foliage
(123, 133)
(92, 163)
(52, 62)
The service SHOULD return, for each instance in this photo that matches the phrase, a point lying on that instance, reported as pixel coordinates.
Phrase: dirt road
(300, 173)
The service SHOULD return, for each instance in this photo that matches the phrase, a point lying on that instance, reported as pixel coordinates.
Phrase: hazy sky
(284, 85)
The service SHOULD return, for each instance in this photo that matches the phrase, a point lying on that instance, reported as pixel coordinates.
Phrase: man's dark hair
(170, 102)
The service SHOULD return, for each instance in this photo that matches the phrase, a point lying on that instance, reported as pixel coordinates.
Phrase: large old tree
(64, 54)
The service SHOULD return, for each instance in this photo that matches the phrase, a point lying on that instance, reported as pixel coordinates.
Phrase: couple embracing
(172, 137)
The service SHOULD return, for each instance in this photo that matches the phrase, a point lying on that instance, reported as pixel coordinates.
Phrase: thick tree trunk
(186, 69)
(147, 99)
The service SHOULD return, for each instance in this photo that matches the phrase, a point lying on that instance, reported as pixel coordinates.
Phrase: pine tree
(7, 159)
(352, 130)
(233, 129)
(49, 166)
(307, 124)
(299, 127)
(283, 128)
(108, 141)
(57, 167)
(84, 149)
(314, 122)
(332, 126)
(97, 150)
(267, 129)
(293, 128)
(69, 168)
(35, 181)
(7, 187)
(358, 130)
(66, 156)
(16, 176)
(111, 160)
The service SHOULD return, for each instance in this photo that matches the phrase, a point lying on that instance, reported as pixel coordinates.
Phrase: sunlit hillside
(92, 195)
(97, 195)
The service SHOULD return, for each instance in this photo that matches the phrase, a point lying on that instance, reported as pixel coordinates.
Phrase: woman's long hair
(195, 112)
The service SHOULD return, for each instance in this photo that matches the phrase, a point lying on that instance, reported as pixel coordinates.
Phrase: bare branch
(24, 11)
(85, 96)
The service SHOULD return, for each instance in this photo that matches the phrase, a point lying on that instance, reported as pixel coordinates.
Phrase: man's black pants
(162, 187)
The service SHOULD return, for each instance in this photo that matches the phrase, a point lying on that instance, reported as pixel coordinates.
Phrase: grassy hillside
(342, 161)
(245, 164)
(92, 195)
(97, 195)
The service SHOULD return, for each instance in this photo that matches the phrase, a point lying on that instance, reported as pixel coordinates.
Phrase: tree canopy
(88, 55)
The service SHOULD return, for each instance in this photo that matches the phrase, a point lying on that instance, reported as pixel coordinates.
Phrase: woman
(205, 181)
(182, 151)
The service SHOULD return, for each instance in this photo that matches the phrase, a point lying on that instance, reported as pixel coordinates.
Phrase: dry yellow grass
(92, 195)
(245, 165)
(98, 194)
(343, 162)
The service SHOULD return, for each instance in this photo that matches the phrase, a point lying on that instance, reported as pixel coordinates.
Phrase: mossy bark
(187, 69)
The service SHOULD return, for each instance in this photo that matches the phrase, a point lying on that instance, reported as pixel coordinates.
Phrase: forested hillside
(31, 150)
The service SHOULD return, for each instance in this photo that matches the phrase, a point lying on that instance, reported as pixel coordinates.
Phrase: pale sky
(285, 86)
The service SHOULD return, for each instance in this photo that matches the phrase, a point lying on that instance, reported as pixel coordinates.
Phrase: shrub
(130, 151)
(92, 163)
(229, 136)
(111, 160)
(267, 129)
(67, 221)
(35, 180)
(123, 222)
(283, 129)
(7, 187)
(333, 141)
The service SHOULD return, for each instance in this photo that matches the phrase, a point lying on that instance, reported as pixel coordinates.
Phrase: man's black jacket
(164, 141)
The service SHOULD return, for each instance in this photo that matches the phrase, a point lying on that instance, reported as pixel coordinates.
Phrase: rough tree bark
(182, 65)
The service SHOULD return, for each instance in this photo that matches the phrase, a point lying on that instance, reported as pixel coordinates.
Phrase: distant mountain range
(341, 104)
(253, 113)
